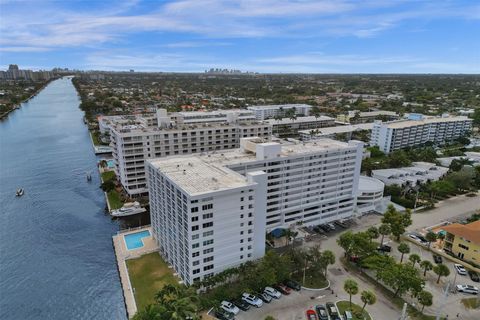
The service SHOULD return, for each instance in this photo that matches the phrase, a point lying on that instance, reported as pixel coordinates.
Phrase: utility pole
(445, 295)
(404, 314)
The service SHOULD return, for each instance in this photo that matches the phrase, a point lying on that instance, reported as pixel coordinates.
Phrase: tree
(269, 318)
(425, 298)
(367, 297)
(108, 185)
(431, 237)
(426, 266)
(291, 114)
(327, 258)
(397, 221)
(414, 259)
(401, 278)
(350, 287)
(441, 270)
(315, 111)
(373, 232)
(178, 302)
(399, 158)
(151, 312)
(384, 230)
(403, 248)
(359, 244)
(462, 179)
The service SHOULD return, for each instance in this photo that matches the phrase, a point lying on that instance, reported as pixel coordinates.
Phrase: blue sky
(337, 36)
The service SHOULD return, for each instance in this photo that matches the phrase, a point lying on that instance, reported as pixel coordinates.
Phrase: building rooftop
(368, 184)
(469, 231)
(339, 129)
(409, 123)
(207, 172)
(278, 106)
(299, 120)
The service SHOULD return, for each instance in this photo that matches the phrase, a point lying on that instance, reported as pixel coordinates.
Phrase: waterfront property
(211, 212)
(279, 110)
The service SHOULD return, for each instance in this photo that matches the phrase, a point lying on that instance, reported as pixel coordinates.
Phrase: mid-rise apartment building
(140, 138)
(287, 127)
(211, 211)
(272, 111)
(396, 135)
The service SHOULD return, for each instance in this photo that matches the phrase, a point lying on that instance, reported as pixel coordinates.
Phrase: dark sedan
(293, 284)
(474, 276)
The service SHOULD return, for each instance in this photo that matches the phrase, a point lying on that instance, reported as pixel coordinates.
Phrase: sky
(267, 36)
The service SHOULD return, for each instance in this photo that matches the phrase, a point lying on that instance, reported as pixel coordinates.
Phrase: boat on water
(128, 209)
(19, 192)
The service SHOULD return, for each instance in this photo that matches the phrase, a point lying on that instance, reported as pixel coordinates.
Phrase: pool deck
(122, 254)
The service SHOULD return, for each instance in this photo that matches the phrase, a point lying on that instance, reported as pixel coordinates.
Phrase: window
(195, 254)
(195, 228)
(206, 251)
(208, 242)
(195, 236)
(208, 216)
(194, 209)
(207, 206)
(194, 219)
(195, 245)
(196, 271)
(207, 225)
(208, 259)
(208, 233)
(210, 267)
(196, 262)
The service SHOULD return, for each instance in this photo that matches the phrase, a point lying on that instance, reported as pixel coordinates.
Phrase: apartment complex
(211, 211)
(287, 127)
(135, 139)
(396, 135)
(463, 241)
(272, 111)
(356, 116)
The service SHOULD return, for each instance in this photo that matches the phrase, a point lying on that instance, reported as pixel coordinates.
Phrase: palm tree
(327, 258)
(384, 230)
(414, 258)
(368, 297)
(373, 232)
(151, 312)
(426, 266)
(431, 237)
(350, 287)
(441, 270)
(403, 248)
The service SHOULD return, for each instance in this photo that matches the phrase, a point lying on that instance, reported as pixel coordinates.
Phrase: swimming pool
(111, 164)
(134, 240)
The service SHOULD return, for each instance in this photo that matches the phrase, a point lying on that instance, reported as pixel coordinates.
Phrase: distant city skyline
(267, 36)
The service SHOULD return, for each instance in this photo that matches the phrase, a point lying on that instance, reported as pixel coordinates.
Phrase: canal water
(56, 255)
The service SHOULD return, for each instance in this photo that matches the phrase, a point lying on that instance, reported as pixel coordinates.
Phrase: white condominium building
(136, 140)
(396, 135)
(211, 211)
(271, 111)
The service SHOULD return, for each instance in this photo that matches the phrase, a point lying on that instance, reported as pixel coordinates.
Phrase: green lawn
(114, 199)
(108, 175)
(96, 138)
(356, 309)
(312, 280)
(471, 303)
(148, 274)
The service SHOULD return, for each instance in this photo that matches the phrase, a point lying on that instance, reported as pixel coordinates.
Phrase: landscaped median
(148, 274)
(356, 310)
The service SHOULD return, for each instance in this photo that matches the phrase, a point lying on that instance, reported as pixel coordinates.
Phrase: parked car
(229, 307)
(311, 315)
(242, 305)
(347, 315)
(341, 224)
(293, 284)
(224, 315)
(384, 248)
(254, 301)
(414, 237)
(474, 276)
(272, 292)
(460, 269)
(332, 311)
(283, 289)
(466, 288)
(265, 297)
(438, 259)
(331, 226)
(321, 312)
